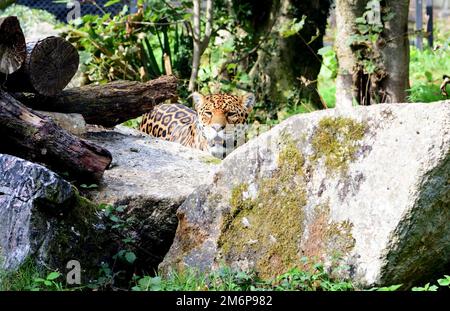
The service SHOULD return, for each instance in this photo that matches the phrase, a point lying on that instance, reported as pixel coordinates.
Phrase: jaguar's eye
(208, 114)
(231, 114)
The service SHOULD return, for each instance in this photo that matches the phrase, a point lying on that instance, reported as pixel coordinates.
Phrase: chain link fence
(60, 10)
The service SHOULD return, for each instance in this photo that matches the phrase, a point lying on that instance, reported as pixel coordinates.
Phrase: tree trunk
(373, 52)
(200, 44)
(396, 53)
(49, 66)
(287, 66)
(37, 138)
(12, 45)
(108, 104)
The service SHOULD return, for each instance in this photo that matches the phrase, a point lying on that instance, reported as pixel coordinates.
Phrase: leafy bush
(133, 46)
(427, 68)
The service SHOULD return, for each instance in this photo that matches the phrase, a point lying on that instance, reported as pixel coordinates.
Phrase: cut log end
(52, 64)
(12, 45)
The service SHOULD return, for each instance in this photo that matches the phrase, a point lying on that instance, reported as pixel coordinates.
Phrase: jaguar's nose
(217, 127)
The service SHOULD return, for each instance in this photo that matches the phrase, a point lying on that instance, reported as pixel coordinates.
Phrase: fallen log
(49, 66)
(12, 45)
(35, 137)
(108, 104)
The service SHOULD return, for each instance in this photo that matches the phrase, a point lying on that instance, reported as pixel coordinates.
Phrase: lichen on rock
(269, 226)
(337, 141)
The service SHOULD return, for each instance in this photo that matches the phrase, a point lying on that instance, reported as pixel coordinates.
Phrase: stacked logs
(33, 75)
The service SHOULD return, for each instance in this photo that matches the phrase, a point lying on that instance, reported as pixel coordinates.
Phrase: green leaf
(444, 282)
(389, 288)
(361, 20)
(389, 16)
(292, 28)
(53, 275)
(114, 218)
(111, 2)
(130, 257)
(324, 50)
(91, 186)
(363, 28)
(429, 76)
(47, 283)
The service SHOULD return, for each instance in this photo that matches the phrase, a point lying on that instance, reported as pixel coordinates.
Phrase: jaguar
(217, 125)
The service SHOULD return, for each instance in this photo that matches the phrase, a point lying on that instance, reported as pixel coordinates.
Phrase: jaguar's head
(222, 120)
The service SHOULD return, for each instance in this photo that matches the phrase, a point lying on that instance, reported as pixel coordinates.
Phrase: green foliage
(443, 282)
(133, 123)
(391, 288)
(227, 279)
(22, 279)
(50, 282)
(292, 28)
(132, 46)
(29, 17)
(426, 70)
(29, 278)
(426, 288)
(5, 3)
(329, 62)
(90, 186)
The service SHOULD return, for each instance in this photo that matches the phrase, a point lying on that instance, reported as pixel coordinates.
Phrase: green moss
(211, 160)
(76, 236)
(336, 140)
(268, 227)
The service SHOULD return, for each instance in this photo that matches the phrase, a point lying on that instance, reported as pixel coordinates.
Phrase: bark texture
(286, 68)
(372, 71)
(12, 45)
(108, 104)
(37, 138)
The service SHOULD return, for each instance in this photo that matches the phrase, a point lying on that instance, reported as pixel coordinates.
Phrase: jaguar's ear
(249, 101)
(197, 99)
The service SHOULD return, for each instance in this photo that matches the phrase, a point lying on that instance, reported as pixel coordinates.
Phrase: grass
(312, 277)
(227, 279)
(426, 70)
(22, 279)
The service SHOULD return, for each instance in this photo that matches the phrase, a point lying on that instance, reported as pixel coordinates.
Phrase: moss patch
(76, 237)
(268, 228)
(211, 160)
(336, 140)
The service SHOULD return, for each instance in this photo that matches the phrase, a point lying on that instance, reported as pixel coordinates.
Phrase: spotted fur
(217, 125)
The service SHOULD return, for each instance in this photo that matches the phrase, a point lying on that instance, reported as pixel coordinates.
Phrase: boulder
(367, 189)
(43, 217)
(149, 179)
(72, 122)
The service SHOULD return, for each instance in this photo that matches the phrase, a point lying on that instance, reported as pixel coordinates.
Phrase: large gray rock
(25, 191)
(368, 188)
(43, 217)
(149, 179)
